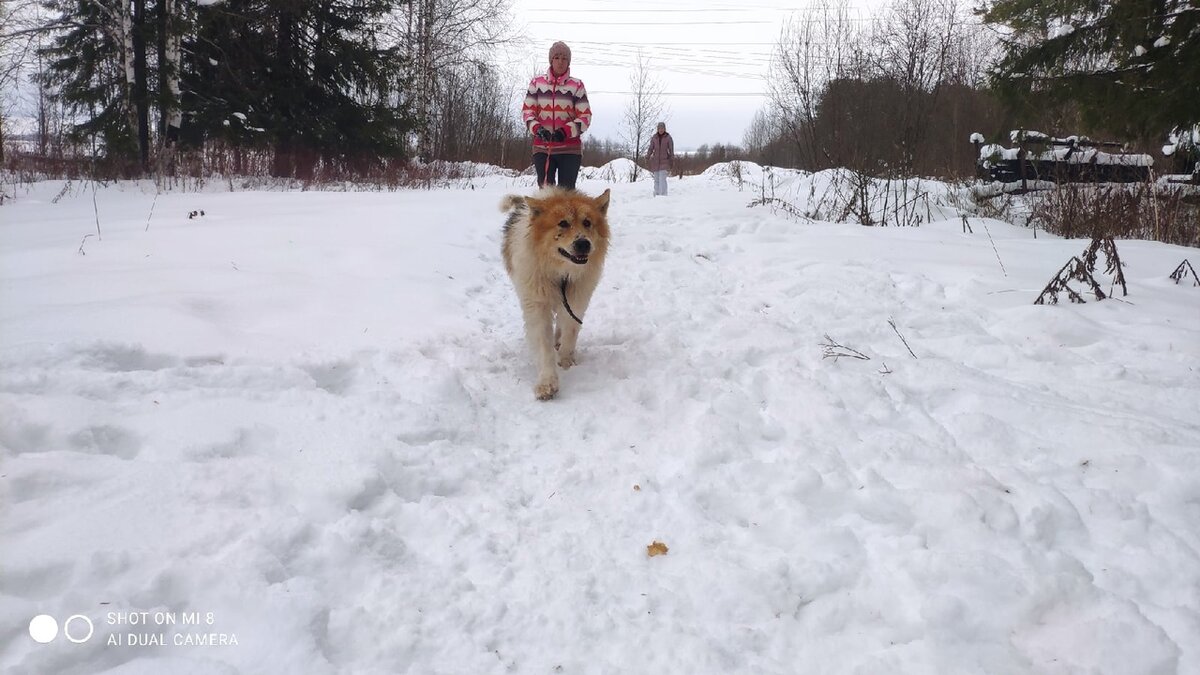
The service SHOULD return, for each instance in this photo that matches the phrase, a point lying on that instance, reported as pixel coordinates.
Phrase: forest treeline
(127, 88)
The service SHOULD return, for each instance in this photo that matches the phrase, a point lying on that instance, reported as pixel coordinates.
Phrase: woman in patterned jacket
(556, 112)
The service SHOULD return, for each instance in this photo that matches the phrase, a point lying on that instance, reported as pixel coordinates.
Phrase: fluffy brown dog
(554, 246)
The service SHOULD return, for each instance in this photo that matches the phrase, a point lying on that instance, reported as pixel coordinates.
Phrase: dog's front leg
(566, 345)
(569, 327)
(539, 333)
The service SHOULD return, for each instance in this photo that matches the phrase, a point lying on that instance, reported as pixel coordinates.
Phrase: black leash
(566, 304)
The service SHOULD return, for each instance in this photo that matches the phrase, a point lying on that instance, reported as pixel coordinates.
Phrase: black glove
(559, 136)
(545, 134)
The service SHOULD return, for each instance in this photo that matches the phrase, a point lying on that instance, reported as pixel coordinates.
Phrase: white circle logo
(67, 628)
(43, 628)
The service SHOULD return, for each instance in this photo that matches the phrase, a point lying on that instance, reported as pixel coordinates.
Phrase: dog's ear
(535, 206)
(602, 202)
(511, 203)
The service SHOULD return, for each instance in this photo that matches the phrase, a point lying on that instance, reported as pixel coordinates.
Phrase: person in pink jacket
(556, 112)
(659, 156)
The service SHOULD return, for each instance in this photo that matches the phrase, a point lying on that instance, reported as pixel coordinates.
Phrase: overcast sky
(712, 58)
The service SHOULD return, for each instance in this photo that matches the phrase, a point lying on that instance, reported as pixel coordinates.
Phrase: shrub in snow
(1160, 212)
(1181, 272)
(1083, 269)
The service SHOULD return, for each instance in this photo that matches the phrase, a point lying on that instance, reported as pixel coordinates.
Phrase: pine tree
(1132, 66)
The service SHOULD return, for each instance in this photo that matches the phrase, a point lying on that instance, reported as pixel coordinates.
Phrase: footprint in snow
(106, 439)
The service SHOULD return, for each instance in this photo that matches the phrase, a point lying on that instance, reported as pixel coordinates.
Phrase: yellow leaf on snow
(657, 548)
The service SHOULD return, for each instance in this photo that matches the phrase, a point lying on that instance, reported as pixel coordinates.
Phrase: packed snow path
(311, 415)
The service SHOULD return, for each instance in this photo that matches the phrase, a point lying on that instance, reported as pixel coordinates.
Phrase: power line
(693, 71)
(701, 55)
(688, 6)
(672, 49)
(558, 10)
(657, 43)
(718, 94)
(648, 23)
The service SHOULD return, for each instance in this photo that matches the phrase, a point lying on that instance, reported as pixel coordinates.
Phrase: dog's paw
(544, 391)
(565, 361)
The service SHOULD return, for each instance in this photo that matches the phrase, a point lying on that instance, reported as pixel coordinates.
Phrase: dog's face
(569, 228)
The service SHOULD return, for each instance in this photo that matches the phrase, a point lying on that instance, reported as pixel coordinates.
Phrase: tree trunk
(285, 139)
(141, 97)
(426, 78)
(43, 119)
(125, 26)
(168, 72)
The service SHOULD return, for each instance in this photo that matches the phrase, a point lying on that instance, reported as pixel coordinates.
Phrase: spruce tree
(92, 71)
(300, 77)
(1131, 66)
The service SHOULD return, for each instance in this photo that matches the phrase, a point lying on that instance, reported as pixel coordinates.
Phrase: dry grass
(241, 168)
(1154, 211)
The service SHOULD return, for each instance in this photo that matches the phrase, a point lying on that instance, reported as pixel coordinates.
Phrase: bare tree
(815, 48)
(473, 124)
(444, 36)
(766, 140)
(761, 132)
(643, 111)
(973, 52)
(914, 46)
(869, 95)
(21, 33)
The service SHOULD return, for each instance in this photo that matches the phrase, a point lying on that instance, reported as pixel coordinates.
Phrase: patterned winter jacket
(557, 103)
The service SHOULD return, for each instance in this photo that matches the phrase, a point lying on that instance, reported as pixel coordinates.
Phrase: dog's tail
(512, 203)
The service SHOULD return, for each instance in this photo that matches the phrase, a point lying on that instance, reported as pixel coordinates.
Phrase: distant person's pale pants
(660, 182)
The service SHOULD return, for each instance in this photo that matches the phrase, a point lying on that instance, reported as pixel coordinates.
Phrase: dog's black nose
(582, 247)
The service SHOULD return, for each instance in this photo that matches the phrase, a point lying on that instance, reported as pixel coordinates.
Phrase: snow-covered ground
(304, 422)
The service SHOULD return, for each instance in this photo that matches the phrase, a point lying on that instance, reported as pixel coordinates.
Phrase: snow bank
(616, 171)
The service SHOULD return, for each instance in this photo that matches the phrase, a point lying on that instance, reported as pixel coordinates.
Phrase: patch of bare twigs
(873, 200)
(246, 168)
(1083, 270)
(1074, 269)
(1181, 272)
(1112, 261)
(777, 203)
(1157, 211)
(765, 199)
(830, 349)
